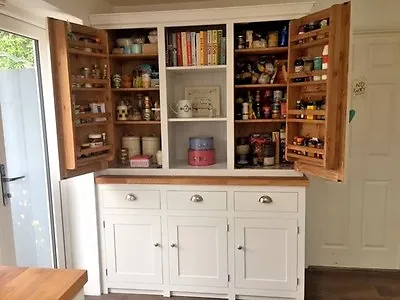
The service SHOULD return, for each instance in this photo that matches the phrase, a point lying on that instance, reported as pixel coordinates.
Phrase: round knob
(239, 247)
(265, 199)
(130, 197)
(173, 245)
(156, 244)
(196, 198)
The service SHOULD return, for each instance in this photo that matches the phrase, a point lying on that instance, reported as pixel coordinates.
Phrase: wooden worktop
(40, 284)
(203, 180)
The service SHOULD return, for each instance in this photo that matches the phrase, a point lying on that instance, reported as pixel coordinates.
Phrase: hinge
(298, 281)
(298, 229)
(227, 227)
(104, 224)
(106, 272)
(229, 277)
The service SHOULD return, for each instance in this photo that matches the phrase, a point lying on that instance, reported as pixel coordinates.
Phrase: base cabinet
(133, 248)
(266, 254)
(231, 242)
(198, 251)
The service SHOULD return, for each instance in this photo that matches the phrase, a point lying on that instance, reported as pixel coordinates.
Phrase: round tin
(201, 143)
(201, 158)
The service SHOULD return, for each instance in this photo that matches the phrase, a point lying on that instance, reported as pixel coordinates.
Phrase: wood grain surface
(40, 284)
(204, 180)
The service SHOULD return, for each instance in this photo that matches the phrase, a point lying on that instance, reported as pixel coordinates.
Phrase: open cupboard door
(84, 114)
(317, 92)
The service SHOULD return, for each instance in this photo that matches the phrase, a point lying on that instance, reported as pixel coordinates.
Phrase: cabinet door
(322, 114)
(266, 254)
(133, 248)
(198, 251)
(75, 47)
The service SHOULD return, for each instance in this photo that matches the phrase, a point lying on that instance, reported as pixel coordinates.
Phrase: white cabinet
(133, 248)
(266, 254)
(198, 253)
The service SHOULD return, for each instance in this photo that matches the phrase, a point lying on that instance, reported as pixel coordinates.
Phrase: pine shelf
(261, 86)
(86, 53)
(261, 51)
(133, 56)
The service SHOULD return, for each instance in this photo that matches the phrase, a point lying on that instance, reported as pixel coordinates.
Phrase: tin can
(318, 63)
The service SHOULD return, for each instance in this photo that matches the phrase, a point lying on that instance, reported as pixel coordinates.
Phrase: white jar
(132, 143)
(150, 146)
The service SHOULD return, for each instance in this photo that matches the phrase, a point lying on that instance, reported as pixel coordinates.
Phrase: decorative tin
(201, 158)
(201, 143)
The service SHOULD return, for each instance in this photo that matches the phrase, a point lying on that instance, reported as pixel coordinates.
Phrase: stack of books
(202, 48)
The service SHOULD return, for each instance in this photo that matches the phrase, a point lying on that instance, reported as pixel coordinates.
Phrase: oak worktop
(203, 180)
(40, 284)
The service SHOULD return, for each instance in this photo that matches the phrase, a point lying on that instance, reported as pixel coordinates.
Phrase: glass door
(28, 235)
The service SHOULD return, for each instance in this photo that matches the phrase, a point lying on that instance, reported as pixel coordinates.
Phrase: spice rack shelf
(86, 53)
(261, 86)
(262, 51)
(306, 149)
(82, 44)
(306, 121)
(306, 112)
(92, 116)
(92, 124)
(84, 161)
(308, 74)
(75, 89)
(304, 158)
(308, 83)
(93, 150)
(311, 34)
(311, 44)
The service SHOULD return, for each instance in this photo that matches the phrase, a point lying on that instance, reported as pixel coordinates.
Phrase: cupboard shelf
(308, 83)
(133, 56)
(261, 51)
(131, 122)
(92, 124)
(310, 34)
(74, 89)
(306, 121)
(93, 150)
(306, 112)
(311, 160)
(83, 161)
(308, 74)
(81, 44)
(85, 53)
(260, 121)
(311, 44)
(90, 80)
(261, 86)
(135, 89)
(305, 149)
(92, 116)
(197, 68)
(183, 165)
(197, 119)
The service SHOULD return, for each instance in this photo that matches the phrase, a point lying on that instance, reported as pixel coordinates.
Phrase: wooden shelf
(310, 34)
(74, 89)
(308, 83)
(134, 56)
(83, 161)
(90, 80)
(311, 44)
(311, 160)
(91, 116)
(261, 51)
(82, 44)
(131, 122)
(307, 112)
(305, 149)
(135, 89)
(261, 86)
(93, 150)
(197, 119)
(85, 53)
(92, 124)
(306, 121)
(260, 121)
(197, 68)
(308, 74)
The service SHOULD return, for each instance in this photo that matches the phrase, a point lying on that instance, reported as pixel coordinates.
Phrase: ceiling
(147, 2)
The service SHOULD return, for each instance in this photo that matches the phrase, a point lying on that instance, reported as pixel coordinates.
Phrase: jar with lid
(242, 150)
(132, 143)
(86, 73)
(124, 156)
(241, 42)
(269, 154)
(298, 107)
(150, 146)
(95, 140)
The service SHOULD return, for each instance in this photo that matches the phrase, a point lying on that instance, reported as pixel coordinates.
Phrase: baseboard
(343, 270)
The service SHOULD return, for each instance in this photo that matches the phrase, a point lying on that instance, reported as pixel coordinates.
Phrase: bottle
(245, 111)
(258, 106)
(325, 53)
(298, 107)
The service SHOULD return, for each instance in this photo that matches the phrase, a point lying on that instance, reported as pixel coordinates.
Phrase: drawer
(198, 200)
(126, 198)
(266, 201)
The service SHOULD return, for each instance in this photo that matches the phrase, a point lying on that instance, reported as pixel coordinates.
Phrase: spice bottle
(325, 53)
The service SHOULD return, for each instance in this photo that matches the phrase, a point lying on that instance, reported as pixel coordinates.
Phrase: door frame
(14, 22)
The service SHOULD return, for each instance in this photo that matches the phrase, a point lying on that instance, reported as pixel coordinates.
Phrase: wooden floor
(325, 284)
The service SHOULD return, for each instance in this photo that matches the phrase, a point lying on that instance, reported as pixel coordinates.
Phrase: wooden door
(82, 98)
(133, 248)
(266, 254)
(316, 128)
(198, 251)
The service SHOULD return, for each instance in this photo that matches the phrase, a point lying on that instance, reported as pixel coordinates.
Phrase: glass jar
(241, 42)
(95, 140)
(273, 37)
(86, 73)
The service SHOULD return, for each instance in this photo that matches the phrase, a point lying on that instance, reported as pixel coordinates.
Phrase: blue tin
(201, 143)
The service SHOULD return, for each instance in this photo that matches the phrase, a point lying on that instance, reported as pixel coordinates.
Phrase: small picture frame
(204, 99)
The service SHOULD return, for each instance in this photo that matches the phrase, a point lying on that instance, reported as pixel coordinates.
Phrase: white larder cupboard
(203, 240)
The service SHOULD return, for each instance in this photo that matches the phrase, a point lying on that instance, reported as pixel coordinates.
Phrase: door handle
(7, 179)
(5, 194)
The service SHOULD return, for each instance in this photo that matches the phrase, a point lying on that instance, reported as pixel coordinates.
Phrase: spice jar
(95, 140)
(308, 64)
(311, 106)
(124, 156)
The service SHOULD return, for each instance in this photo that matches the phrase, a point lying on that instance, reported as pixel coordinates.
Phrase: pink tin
(201, 158)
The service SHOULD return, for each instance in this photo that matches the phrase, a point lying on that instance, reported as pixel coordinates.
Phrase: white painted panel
(381, 55)
(266, 254)
(375, 213)
(199, 256)
(281, 202)
(209, 200)
(133, 245)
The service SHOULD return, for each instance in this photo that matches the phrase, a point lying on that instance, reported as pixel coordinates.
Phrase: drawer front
(266, 201)
(198, 200)
(127, 198)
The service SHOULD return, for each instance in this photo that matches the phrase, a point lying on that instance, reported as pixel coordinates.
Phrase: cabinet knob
(156, 244)
(130, 197)
(239, 247)
(173, 245)
(265, 199)
(196, 198)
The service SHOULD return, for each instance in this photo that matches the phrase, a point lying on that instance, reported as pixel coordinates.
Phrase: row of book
(196, 48)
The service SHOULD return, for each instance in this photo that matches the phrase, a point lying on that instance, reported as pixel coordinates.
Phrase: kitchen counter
(203, 180)
(41, 284)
